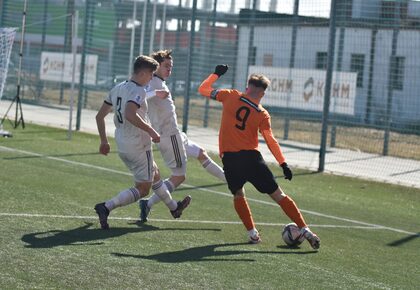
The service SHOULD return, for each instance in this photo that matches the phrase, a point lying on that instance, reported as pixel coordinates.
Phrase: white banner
(58, 67)
(304, 89)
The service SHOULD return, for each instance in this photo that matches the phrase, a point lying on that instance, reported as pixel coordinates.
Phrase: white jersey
(162, 111)
(126, 134)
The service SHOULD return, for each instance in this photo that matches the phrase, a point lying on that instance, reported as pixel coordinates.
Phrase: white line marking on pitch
(208, 190)
(35, 215)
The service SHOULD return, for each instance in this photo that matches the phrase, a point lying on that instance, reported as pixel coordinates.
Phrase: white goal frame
(7, 37)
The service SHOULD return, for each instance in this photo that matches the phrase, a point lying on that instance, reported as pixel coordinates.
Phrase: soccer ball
(291, 235)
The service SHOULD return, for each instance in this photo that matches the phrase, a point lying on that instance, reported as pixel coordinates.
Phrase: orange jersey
(241, 121)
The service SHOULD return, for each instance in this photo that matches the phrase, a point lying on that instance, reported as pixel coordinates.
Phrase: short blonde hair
(259, 80)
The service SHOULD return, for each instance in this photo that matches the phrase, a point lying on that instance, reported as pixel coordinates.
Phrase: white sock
(169, 185)
(161, 190)
(305, 231)
(253, 232)
(125, 197)
(214, 169)
(154, 199)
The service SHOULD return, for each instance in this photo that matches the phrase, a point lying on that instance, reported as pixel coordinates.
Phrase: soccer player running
(174, 146)
(134, 136)
(242, 117)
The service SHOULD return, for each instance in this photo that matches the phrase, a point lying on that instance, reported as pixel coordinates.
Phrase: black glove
(221, 69)
(286, 171)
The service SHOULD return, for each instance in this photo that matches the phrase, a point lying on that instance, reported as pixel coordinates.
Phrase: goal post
(7, 36)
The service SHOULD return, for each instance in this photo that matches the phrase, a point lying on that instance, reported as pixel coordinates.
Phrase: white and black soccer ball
(291, 235)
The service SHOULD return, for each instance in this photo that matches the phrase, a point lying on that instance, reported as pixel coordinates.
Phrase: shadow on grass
(404, 240)
(84, 235)
(208, 253)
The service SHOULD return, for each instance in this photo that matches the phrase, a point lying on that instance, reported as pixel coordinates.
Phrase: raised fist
(221, 69)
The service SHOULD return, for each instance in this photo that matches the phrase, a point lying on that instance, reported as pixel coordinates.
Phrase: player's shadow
(85, 235)
(208, 253)
(404, 240)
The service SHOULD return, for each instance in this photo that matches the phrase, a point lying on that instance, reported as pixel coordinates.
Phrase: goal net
(7, 36)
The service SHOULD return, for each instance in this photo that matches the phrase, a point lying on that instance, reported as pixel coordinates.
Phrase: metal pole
(22, 39)
(67, 41)
(328, 82)
(292, 59)
(189, 69)
(391, 81)
(339, 68)
(82, 64)
(89, 42)
(371, 71)
(213, 29)
(40, 85)
(74, 27)
(251, 56)
(18, 100)
(143, 27)
(178, 36)
(133, 33)
(3, 5)
(153, 28)
(163, 28)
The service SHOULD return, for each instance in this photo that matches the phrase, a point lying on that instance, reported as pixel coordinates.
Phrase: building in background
(364, 40)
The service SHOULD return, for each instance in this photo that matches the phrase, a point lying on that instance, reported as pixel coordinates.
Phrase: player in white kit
(134, 136)
(174, 145)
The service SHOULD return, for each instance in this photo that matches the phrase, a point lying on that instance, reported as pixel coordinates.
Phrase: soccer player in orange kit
(242, 117)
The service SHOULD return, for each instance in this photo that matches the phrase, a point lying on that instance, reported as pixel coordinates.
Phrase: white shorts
(173, 153)
(140, 164)
(192, 149)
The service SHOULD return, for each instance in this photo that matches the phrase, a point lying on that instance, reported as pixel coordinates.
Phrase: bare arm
(135, 119)
(104, 147)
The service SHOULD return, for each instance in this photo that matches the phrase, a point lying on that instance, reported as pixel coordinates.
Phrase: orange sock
(291, 210)
(244, 212)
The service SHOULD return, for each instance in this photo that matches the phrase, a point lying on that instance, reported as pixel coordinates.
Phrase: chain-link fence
(363, 60)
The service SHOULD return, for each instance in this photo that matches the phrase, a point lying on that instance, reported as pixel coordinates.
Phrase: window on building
(357, 64)
(321, 60)
(397, 72)
(268, 60)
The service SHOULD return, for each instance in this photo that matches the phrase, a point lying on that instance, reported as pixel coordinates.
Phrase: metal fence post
(3, 5)
(339, 69)
(328, 82)
(371, 72)
(251, 52)
(189, 69)
(213, 29)
(177, 38)
(391, 76)
(67, 40)
(292, 58)
(82, 63)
